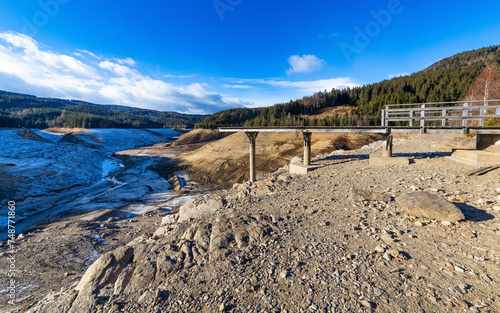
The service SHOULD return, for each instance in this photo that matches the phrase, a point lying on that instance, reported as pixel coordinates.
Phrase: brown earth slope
(225, 161)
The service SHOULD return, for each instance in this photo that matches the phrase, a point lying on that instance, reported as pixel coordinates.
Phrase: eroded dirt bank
(225, 162)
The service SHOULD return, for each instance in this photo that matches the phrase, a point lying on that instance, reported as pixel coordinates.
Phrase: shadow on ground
(423, 155)
(473, 214)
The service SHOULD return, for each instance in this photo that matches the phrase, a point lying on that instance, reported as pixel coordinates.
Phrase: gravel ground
(300, 244)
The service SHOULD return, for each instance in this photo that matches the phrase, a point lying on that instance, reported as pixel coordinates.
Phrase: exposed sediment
(304, 244)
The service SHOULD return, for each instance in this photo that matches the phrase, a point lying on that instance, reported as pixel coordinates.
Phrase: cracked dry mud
(300, 244)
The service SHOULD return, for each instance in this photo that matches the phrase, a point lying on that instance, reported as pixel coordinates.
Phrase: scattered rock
(459, 269)
(359, 195)
(176, 183)
(367, 304)
(284, 274)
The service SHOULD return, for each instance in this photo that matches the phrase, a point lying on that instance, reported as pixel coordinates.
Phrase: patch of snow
(109, 166)
(48, 135)
(101, 241)
(92, 258)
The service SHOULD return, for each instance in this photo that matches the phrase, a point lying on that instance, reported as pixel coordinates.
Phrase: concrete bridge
(465, 117)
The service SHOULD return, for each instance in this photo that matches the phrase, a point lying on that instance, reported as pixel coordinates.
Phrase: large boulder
(423, 204)
(106, 269)
(195, 208)
(176, 183)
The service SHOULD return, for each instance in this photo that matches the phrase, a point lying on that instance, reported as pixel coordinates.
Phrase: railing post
(481, 119)
(383, 117)
(411, 117)
(386, 116)
(251, 136)
(443, 121)
(422, 116)
(465, 113)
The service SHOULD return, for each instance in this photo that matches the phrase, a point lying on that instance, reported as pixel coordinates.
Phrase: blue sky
(208, 55)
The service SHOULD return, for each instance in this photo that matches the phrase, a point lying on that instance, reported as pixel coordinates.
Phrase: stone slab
(377, 160)
(302, 169)
(423, 204)
(476, 157)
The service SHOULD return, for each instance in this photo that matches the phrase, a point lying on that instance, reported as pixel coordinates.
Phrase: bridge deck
(369, 129)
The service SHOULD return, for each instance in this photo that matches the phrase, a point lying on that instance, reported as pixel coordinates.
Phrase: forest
(18, 110)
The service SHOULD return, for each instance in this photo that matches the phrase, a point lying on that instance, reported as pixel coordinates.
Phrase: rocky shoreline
(310, 244)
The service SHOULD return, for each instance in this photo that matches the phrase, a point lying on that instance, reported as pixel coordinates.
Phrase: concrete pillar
(387, 146)
(307, 148)
(252, 136)
(490, 141)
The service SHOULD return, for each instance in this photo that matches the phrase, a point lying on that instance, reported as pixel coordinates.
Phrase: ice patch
(101, 241)
(48, 135)
(93, 257)
(110, 166)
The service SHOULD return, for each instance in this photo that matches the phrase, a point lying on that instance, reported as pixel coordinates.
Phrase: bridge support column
(307, 148)
(387, 146)
(491, 141)
(252, 136)
(386, 158)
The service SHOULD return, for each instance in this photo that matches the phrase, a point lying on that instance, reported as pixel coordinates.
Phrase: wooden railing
(461, 111)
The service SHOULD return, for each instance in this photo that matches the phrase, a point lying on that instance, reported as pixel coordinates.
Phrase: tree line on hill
(445, 81)
(17, 110)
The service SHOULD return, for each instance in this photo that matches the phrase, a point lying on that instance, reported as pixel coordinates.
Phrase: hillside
(450, 79)
(18, 110)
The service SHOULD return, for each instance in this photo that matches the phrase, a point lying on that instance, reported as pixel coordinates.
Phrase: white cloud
(20, 41)
(237, 86)
(87, 53)
(306, 87)
(126, 61)
(304, 64)
(26, 67)
(316, 85)
(120, 70)
(180, 76)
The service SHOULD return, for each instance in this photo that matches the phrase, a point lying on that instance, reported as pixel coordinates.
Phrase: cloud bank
(305, 87)
(27, 67)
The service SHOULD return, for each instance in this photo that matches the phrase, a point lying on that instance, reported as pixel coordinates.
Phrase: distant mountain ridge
(20, 110)
(467, 58)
